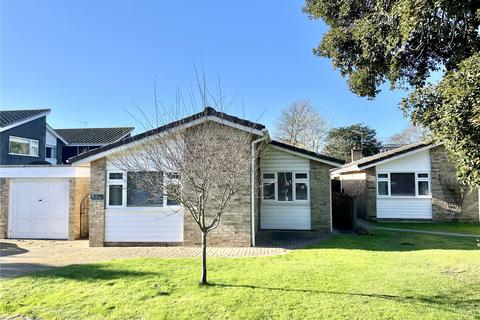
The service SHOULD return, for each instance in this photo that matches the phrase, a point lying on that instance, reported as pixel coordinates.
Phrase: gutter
(265, 137)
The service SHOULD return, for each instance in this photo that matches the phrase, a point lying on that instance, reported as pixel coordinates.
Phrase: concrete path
(18, 257)
(437, 233)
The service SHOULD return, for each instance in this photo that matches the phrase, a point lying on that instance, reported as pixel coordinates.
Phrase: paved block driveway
(22, 256)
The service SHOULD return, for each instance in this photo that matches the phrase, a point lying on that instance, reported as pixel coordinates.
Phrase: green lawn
(465, 228)
(388, 275)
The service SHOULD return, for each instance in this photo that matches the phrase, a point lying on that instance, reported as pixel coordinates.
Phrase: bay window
(285, 186)
(403, 184)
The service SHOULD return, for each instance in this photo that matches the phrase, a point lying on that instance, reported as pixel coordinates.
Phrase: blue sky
(89, 60)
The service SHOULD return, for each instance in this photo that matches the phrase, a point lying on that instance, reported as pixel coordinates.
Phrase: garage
(43, 201)
(39, 208)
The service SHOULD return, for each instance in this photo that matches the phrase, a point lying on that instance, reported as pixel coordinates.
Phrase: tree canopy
(451, 109)
(341, 140)
(403, 43)
(411, 134)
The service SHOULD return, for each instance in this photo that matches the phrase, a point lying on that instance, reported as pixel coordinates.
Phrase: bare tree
(302, 125)
(454, 193)
(409, 135)
(199, 165)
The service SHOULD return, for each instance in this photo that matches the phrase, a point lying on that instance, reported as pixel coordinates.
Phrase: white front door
(39, 208)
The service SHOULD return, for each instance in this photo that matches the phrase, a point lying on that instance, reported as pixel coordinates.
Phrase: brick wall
(320, 196)
(235, 225)
(4, 182)
(97, 207)
(442, 169)
(363, 186)
(79, 188)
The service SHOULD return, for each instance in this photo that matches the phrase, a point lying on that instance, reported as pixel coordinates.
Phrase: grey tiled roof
(363, 162)
(305, 151)
(9, 117)
(209, 111)
(90, 136)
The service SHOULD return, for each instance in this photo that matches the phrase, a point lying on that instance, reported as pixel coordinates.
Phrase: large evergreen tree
(402, 42)
(341, 140)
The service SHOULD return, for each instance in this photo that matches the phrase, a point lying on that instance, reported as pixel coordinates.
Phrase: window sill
(23, 155)
(404, 197)
(143, 209)
(286, 202)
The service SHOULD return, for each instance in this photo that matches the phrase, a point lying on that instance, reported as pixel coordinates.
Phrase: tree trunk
(204, 258)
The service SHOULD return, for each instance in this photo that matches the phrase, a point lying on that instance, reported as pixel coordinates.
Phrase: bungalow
(290, 191)
(413, 182)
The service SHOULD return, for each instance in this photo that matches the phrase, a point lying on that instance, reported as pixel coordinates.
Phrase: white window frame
(167, 180)
(274, 181)
(427, 179)
(294, 183)
(54, 151)
(123, 183)
(417, 179)
(387, 179)
(301, 180)
(29, 142)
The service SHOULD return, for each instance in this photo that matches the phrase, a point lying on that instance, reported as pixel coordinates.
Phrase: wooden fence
(344, 211)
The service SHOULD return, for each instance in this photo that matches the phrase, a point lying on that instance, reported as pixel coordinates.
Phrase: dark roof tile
(9, 117)
(306, 152)
(209, 111)
(93, 136)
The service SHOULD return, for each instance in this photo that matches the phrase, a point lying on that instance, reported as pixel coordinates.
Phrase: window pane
(300, 176)
(19, 147)
(423, 188)
(423, 175)
(172, 189)
(171, 202)
(115, 176)
(144, 189)
(33, 147)
(48, 152)
(301, 191)
(383, 188)
(269, 191)
(34, 150)
(285, 186)
(270, 176)
(115, 195)
(383, 175)
(403, 184)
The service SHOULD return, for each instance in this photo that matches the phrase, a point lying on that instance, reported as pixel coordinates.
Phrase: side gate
(343, 211)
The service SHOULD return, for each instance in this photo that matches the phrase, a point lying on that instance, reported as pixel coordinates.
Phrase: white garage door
(39, 209)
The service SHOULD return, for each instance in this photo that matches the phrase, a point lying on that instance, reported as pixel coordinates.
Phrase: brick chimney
(356, 154)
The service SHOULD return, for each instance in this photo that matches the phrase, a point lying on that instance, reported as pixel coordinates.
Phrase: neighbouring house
(412, 182)
(26, 138)
(389, 146)
(303, 176)
(40, 196)
(81, 140)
